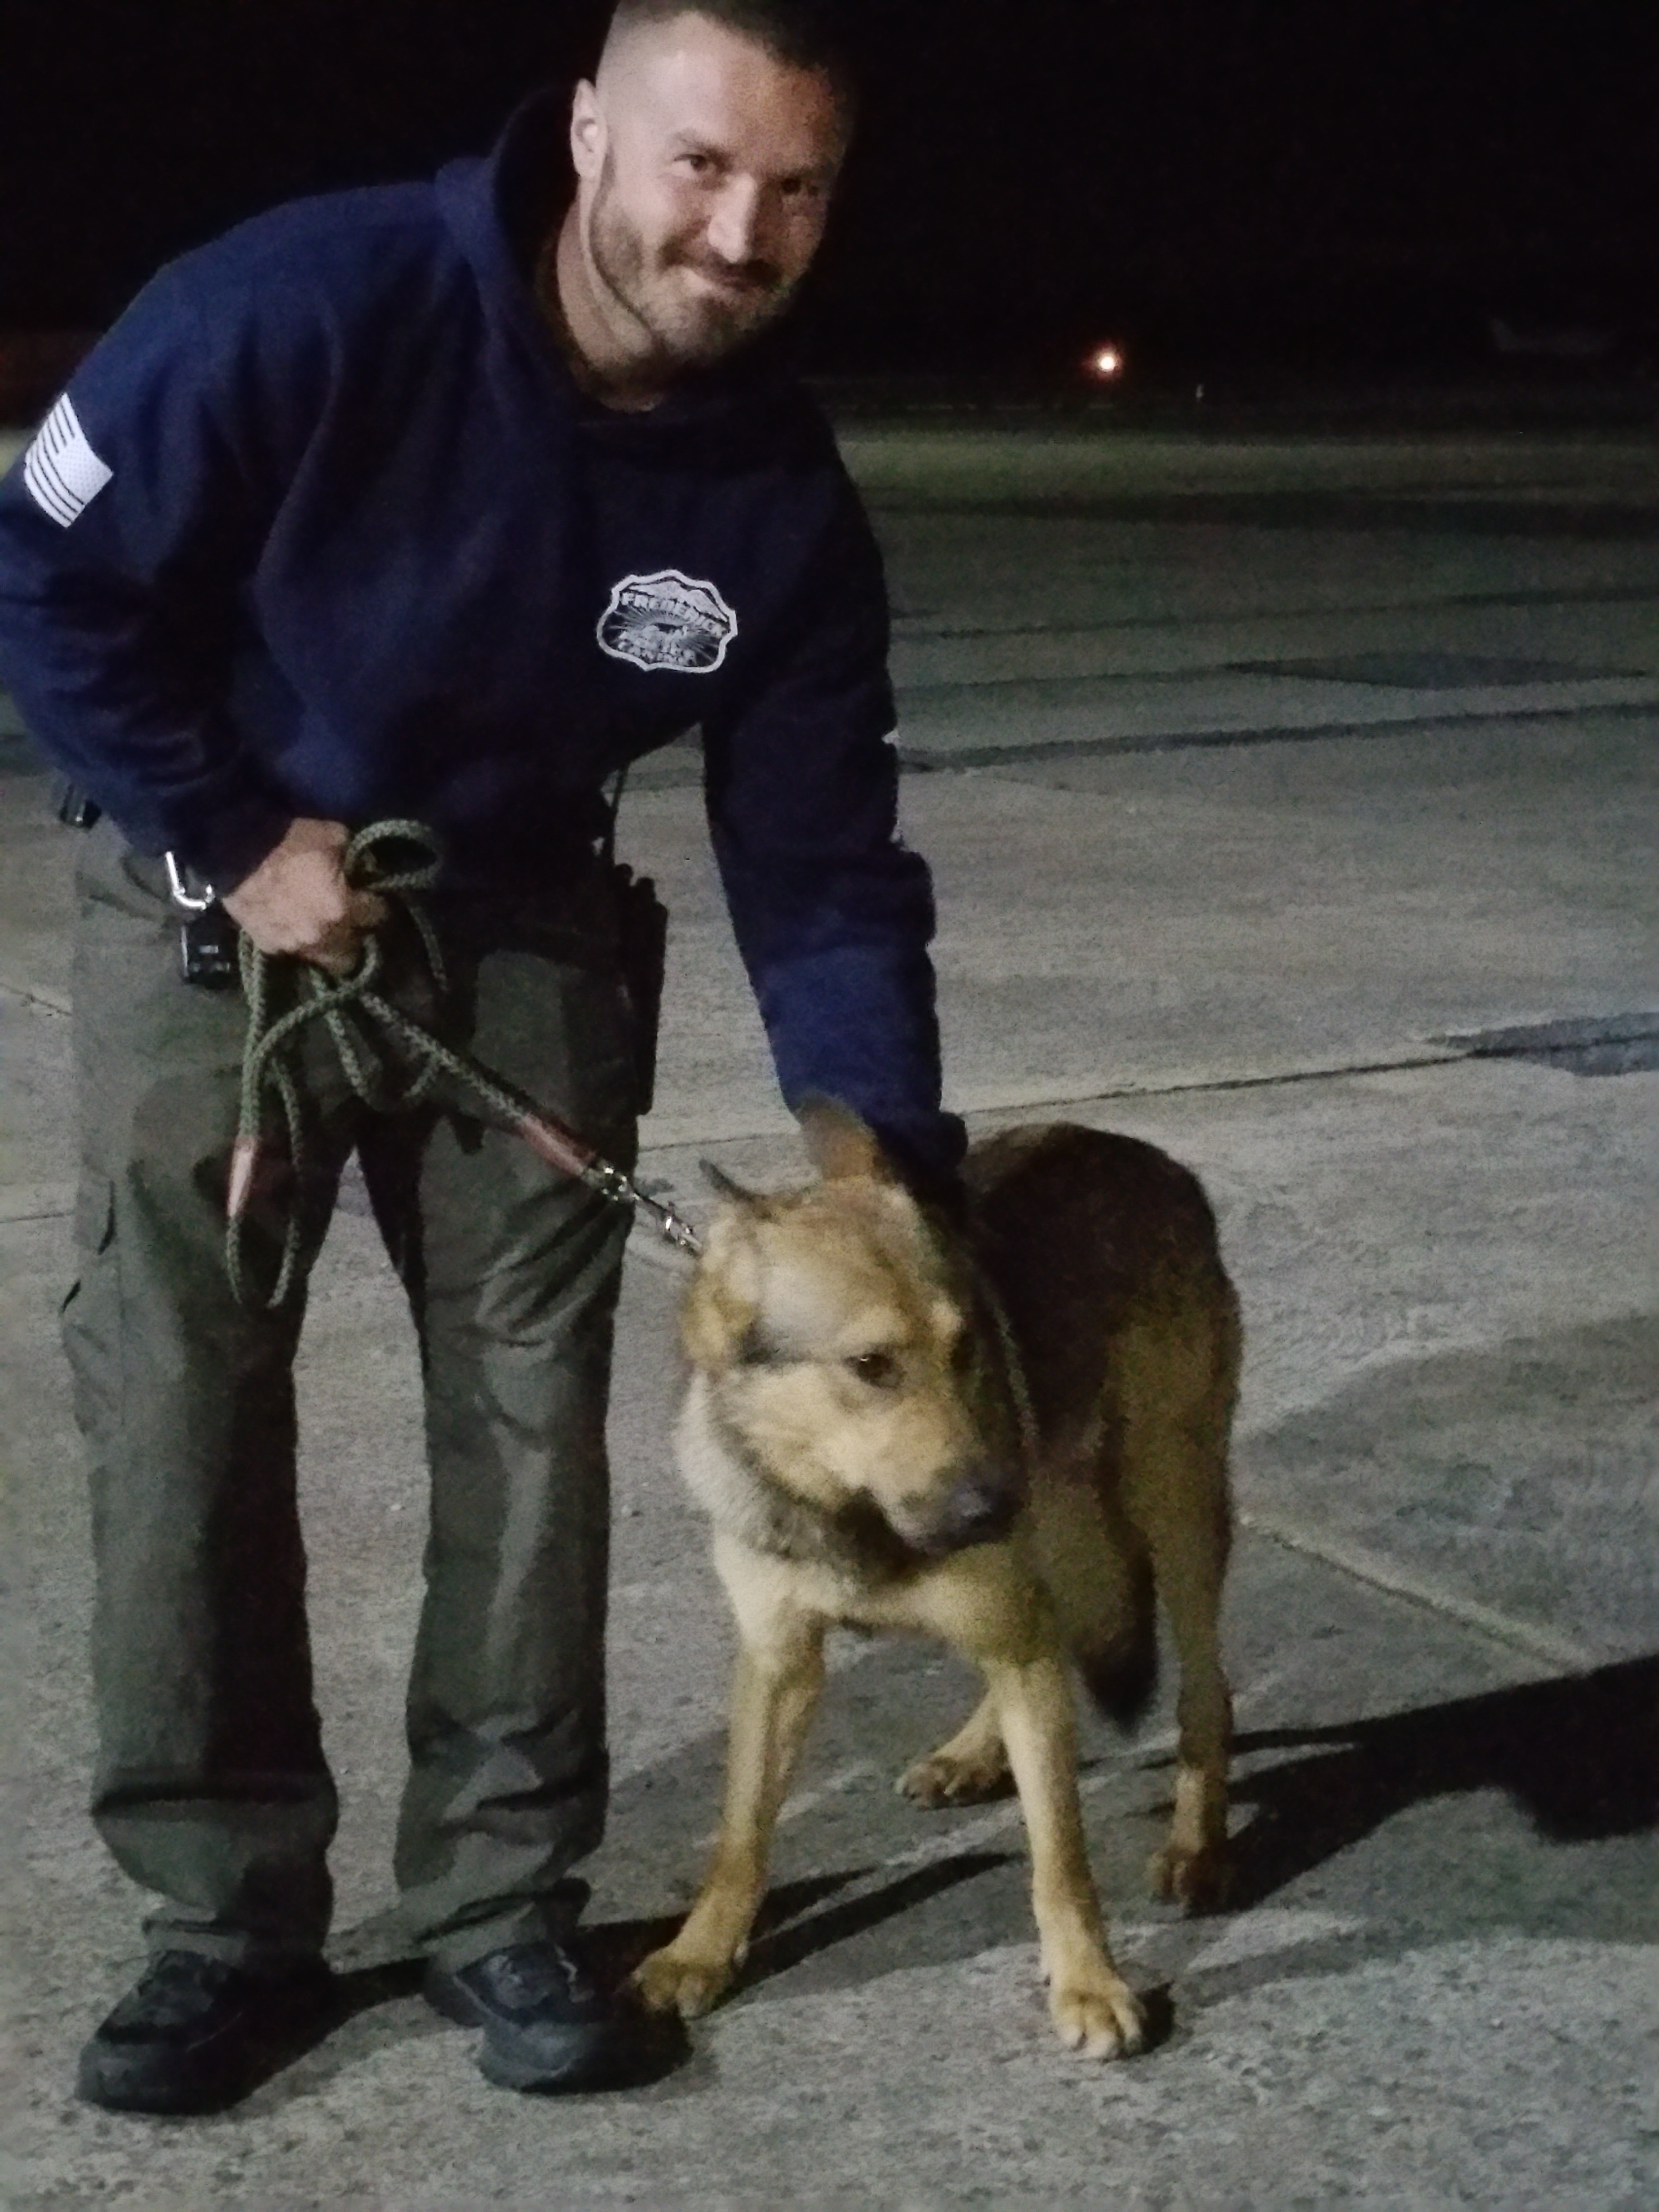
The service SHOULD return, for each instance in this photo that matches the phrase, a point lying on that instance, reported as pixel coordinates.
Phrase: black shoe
(195, 2034)
(547, 2024)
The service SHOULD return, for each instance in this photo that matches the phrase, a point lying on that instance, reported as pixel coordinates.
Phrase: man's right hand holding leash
(298, 901)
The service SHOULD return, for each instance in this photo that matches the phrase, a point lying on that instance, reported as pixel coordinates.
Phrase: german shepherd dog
(1009, 1433)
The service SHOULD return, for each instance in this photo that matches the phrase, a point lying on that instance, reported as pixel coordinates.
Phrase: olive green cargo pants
(211, 1787)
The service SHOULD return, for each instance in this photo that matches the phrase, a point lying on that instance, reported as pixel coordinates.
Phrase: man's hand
(297, 900)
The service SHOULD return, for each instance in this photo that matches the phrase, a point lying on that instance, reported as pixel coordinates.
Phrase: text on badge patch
(667, 620)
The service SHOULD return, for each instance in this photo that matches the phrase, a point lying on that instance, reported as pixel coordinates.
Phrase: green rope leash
(349, 1007)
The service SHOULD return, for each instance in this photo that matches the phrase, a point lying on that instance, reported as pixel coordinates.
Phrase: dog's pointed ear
(730, 1190)
(723, 1297)
(841, 1147)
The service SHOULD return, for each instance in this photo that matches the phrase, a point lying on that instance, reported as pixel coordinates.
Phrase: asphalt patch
(1626, 1044)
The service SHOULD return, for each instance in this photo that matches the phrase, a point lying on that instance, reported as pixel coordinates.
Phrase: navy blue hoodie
(324, 526)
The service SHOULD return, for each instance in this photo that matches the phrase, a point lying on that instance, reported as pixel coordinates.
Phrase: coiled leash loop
(362, 1024)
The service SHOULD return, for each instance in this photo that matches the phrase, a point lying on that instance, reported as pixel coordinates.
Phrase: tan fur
(1004, 1441)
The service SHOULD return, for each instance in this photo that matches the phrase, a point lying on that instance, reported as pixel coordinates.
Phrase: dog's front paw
(672, 1980)
(1100, 2017)
(939, 1780)
(1200, 1880)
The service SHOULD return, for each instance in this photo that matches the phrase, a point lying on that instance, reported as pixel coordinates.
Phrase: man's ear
(587, 132)
(841, 1146)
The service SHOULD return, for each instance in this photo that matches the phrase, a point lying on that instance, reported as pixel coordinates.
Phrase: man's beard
(689, 330)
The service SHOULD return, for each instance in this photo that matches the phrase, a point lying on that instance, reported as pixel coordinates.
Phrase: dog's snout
(980, 1509)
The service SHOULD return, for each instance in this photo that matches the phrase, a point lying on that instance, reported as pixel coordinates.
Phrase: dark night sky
(1031, 173)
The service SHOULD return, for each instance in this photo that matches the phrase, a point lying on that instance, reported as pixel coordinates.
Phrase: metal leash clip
(564, 1150)
(208, 952)
(672, 1226)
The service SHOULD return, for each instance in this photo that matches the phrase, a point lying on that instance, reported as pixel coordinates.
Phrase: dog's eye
(879, 1369)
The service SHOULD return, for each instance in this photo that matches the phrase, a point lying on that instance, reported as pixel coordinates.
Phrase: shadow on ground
(1573, 1755)
(1576, 1755)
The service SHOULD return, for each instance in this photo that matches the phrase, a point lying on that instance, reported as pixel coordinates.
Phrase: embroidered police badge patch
(667, 620)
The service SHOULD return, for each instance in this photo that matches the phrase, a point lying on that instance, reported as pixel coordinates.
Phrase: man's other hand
(297, 900)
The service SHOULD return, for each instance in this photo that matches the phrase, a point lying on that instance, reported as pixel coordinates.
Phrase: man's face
(705, 169)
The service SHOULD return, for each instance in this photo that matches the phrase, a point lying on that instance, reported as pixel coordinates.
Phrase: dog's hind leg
(971, 1768)
(1186, 1522)
(775, 1692)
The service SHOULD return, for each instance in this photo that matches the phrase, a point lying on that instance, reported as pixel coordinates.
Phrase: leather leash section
(340, 1003)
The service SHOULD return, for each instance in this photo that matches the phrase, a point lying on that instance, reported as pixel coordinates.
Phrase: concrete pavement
(1291, 805)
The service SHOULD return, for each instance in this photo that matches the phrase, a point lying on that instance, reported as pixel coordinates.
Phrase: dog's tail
(1120, 1670)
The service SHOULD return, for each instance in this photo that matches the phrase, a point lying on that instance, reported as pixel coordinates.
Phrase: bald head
(704, 163)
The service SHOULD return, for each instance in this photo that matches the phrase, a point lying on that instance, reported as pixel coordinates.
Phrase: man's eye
(699, 165)
(878, 1369)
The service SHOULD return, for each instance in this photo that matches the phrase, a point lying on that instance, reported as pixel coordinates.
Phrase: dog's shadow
(1575, 1753)
(790, 1928)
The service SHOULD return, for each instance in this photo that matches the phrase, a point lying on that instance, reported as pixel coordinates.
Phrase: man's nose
(734, 227)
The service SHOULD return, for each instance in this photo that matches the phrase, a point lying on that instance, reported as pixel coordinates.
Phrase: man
(441, 502)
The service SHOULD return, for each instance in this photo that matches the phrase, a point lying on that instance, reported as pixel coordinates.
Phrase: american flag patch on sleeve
(60, 469)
